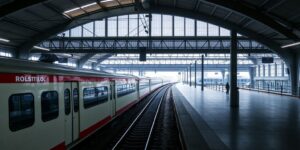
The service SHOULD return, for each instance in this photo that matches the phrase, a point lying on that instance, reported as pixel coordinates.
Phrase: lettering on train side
(31, 79)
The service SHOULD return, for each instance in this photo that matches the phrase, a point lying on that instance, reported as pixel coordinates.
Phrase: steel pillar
(234, 99)
(190, 74)
(223, 76)
(252, 75)
(258, 70)
(202, 72)
(195, 74)
(293, 74)
(187, 75)
(282, 69)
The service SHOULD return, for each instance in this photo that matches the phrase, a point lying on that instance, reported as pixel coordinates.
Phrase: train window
(89, 97)
(76, 99)
(21, 111)
(143, 84)
(125, 89)
(94, 96)
(49, 105)
(67, 100)
(102, 94)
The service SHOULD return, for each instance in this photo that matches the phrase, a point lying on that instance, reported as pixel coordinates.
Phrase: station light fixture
(104, 1)
(67, 55)
(71, 10)
(80, 10)
(88, 5)
(94, 6)
(82, 7)
(41, 48)
(67, 16)
(4, 40)
(93, 61)
(290, 45)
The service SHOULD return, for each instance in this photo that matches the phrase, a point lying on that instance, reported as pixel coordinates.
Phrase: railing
(217, 87)
(268, 88)
(279, 86)
(281, 90)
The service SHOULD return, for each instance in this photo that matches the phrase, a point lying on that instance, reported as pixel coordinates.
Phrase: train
(45, 106)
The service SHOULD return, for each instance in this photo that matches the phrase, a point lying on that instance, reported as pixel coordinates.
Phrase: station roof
(271, 22)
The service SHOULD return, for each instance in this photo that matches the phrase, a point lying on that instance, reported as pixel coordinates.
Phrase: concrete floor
(262, 121)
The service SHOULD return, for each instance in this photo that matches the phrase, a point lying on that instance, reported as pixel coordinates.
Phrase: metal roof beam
(23, 51)
(270, 43)
(152, 51)
(174, 3)
(36, 15)
(84, 59)
(172, 58)
(102, 58)
(241, 67)
(20, 24)
(197, 5)
(241, 8)
(17, 5)
(179, 38)
(55, 9)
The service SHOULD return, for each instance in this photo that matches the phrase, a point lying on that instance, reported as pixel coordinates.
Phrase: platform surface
(262, 121)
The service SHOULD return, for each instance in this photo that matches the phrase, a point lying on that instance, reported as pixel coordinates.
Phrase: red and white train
(44, 106)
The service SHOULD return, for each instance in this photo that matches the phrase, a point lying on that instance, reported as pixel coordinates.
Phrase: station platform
(262, 120)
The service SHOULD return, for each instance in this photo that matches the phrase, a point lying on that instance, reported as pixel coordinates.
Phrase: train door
(113, 97)
(71, 98)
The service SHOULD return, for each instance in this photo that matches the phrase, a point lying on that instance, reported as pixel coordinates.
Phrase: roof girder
(173, 11)
(241, 8)
(17, 5)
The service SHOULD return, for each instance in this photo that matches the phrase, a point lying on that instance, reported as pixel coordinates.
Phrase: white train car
(155, 83)
(44, 106)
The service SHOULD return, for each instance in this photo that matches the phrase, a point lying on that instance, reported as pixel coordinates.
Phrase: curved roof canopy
(271, 22)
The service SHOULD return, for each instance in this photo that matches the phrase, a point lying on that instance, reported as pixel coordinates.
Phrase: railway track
(164, 131)
(149, 125)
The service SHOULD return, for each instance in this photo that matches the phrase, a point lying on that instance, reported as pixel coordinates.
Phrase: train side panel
(44, 131)
(94, 114)
(144, 87)
(127, 94)
(33, 115)
(155, 83)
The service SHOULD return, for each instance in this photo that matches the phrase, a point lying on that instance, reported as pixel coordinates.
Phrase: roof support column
(202, 72)
(234, 99)
(275, 67)
(195, 74)
(186, 76)
(264, 70)
(282, 69)
(190, 74)
(94, 66)
(223, 75)
(293, 72)
(252, 75)
(22, 54)
(298, 74)
(269, 70)
(150, 31)
(258, 66)
(106, 27)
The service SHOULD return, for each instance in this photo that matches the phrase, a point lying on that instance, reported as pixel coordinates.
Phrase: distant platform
(262, 121)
